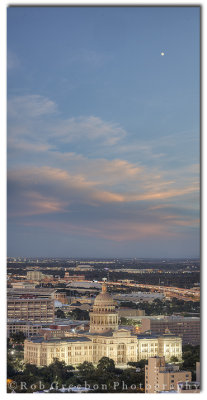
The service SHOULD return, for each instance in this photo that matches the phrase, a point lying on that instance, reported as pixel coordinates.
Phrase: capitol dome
(104, 298)
(104, 316)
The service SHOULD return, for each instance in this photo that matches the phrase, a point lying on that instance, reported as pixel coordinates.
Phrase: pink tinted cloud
(33, 203)
(60, 179)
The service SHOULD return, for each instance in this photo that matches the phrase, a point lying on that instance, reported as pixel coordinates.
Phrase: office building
(27, 327)
(35, 276)
(186, 327)
(36, 305)
(161, 377)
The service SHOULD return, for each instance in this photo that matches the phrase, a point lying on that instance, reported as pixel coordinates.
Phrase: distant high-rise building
(35, 275)
(33, 305)
(186, 327)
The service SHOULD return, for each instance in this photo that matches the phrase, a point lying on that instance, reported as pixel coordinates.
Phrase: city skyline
(103, 131)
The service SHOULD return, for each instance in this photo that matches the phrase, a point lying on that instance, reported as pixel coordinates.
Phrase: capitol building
(105, 338)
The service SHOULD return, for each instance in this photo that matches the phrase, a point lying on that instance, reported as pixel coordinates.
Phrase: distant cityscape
(110, 316)
(103, 198)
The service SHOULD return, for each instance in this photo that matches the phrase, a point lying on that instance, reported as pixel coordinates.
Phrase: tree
(31, 370)
(191, 354)
(18, 337)
(123, 321)
(60, 313)
(138, 364)
(19, 347)
(130, 376)
(106, 364)
(57, 371)
(86, 368)
(174, 359)
(79, 314)
(70, 368)
(11, 372)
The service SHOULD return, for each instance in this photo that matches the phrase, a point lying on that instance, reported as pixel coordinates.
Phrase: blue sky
(103, 131)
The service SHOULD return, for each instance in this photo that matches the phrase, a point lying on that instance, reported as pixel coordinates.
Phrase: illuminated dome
(104, 316)
(104, 298)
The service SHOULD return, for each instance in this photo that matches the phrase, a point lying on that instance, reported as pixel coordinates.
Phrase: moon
(162, 54)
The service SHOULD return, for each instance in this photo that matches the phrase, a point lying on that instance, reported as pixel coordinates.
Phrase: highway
(192, 294)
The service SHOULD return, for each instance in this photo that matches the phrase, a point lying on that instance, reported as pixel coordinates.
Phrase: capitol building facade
(104, 339)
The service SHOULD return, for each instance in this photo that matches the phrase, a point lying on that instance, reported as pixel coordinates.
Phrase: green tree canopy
(174, 359)
(18, 337)
(86, 368)
(106, 364)
(79, 314)
(60, 313)
(11, 372)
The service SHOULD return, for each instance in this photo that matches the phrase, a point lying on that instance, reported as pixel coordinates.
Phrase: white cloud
(26, 117)
(87, 128)
(21, 146)
(30, 106)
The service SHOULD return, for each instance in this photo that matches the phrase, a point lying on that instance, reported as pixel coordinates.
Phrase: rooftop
(143, 336)
(174, 318)
(155, 335)
(109, 334)
(23, 322)
(58, 340)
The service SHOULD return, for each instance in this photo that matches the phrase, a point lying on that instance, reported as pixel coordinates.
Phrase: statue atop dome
(104, 287)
